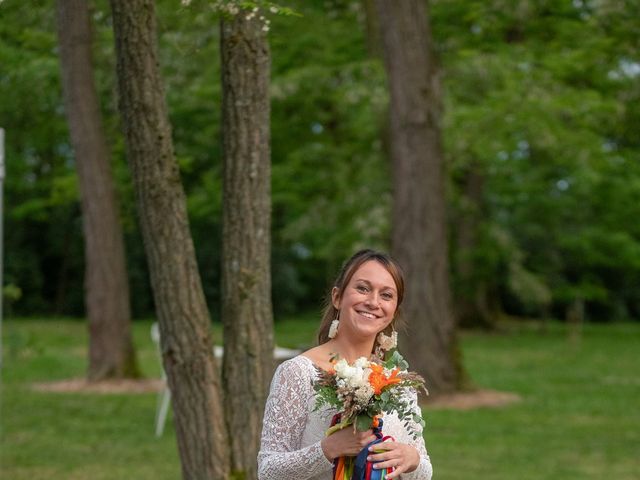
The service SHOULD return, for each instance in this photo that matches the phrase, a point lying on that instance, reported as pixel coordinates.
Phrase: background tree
(181, 308)
(419, 238)
(246, 235)
(111, 353)
(535, 94)
(43, 220)
(540, 102)
(473, 300)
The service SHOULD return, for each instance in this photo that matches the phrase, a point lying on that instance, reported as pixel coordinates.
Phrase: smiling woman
(389, 287)
(358, 321)
(367, 305)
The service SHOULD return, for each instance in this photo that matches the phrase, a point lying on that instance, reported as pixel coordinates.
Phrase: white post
(1, 234)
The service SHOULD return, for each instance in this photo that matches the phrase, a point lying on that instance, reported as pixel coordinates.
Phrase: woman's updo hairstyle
(344, 277)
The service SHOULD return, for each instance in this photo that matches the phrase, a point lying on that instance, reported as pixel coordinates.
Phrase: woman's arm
(424, 471)
(285, 418)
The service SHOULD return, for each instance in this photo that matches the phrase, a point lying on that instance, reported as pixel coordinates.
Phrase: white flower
(357, 380)
(361, 363)
(344, 370)
(340, 366)
(354, 376)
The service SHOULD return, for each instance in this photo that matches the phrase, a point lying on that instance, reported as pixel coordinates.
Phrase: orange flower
(378, 380)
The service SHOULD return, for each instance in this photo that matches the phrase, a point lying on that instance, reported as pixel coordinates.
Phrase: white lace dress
(291, 433)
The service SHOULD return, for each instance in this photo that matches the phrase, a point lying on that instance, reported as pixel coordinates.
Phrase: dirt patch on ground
(81, 385)
(471, 400)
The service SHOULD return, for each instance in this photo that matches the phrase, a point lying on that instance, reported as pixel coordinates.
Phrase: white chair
(164, 396)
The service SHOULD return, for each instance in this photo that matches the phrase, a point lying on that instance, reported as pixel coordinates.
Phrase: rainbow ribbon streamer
(358, 468)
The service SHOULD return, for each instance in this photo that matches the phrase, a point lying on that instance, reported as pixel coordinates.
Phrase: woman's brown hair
(347, 271)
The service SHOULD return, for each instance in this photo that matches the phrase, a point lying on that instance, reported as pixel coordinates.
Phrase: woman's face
(369, 300)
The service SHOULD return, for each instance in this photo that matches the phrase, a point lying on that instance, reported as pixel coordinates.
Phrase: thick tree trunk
(180, 303)
(246, 237)
(419, 239)
(111, 353)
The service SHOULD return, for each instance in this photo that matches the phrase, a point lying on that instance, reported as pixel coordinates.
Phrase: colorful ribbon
(359, 468)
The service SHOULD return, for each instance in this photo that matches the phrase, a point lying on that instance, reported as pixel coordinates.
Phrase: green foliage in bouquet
(364, 390)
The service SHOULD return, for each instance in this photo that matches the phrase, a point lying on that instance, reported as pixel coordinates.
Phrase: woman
(363, 303)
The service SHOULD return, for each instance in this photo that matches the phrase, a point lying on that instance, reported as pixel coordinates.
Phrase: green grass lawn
(579, 417)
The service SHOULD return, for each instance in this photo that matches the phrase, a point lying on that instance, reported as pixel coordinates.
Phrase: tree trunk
(111, 353)
(419, 239)
(246, 237)
(180, 304)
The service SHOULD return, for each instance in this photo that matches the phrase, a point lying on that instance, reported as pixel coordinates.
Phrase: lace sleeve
(424, 470)
(285, 418)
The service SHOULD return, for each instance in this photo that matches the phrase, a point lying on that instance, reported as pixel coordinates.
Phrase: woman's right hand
(346, 443)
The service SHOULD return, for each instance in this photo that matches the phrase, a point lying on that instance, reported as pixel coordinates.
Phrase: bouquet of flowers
(361, 392)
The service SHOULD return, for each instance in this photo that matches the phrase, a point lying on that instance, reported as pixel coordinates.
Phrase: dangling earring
(388, 342)
(333, 330)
